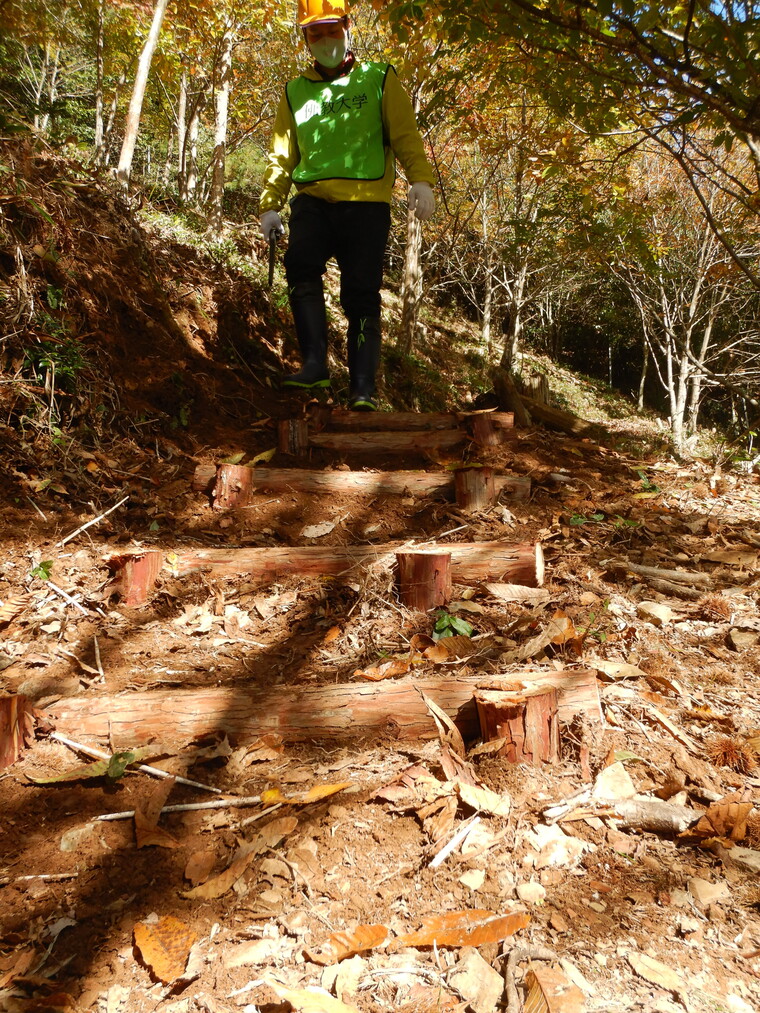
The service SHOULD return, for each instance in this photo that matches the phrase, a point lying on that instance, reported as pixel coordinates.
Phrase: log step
(471, 562)
(232, 485)
(331, 712)
(338, 420)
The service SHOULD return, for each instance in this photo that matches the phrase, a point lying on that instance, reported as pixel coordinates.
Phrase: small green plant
(647, 484)
(42, 570)
(578, 519)
(447, 625)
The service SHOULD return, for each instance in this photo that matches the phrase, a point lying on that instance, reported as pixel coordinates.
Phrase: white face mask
(329, 52)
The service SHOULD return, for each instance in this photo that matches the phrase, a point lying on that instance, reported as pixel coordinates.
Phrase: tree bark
(99, 75)
(132, 125)
(221, 116)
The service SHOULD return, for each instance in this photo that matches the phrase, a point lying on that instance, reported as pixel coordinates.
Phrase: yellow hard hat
(311, 11)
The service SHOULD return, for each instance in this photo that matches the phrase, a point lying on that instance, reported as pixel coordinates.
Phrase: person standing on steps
(338, 130)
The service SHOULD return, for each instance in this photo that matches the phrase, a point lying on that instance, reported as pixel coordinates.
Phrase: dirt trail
(637, 919)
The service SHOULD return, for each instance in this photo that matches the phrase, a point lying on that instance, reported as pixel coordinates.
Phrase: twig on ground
(98, 664)
(36, 508)
(218, 803)
(89, 524)
(66, 597)
(454, 843)
(100, 754)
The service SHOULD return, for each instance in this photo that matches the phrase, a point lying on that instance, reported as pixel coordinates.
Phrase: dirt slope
(632, 918)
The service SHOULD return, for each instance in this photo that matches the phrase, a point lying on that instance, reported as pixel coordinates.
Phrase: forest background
(597, 165)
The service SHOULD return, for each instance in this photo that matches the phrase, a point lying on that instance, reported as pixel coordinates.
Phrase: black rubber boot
(307, 303)
(364, 337)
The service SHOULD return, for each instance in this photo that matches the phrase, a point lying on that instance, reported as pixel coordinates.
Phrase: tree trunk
(138, 94)
(411, 286)
(191, 149)
(99, 63)
(182, 132)
(221, 115)
(112, 116)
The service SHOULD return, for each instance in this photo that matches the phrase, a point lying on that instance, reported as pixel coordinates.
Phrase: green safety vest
(339, 125)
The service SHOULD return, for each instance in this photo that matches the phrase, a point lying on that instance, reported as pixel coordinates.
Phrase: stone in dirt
(476, 981)
(706, 893)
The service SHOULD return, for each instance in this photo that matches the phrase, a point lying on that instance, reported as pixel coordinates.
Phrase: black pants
(355, 233)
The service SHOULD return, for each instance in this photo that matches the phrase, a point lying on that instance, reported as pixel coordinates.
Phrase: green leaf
(234, 458)
(42, 570)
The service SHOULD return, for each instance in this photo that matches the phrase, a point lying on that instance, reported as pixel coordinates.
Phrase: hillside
(137, 357)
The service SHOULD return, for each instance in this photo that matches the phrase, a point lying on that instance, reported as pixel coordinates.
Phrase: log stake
(474, 488)
(234, 485)
(526, 720)
(424, 579)
(293, 436)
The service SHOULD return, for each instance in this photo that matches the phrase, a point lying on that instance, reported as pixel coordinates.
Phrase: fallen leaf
(199, 866)
(484, 799)
(147, 831)
(618, 669)
(318, 530)
(726, 818)
(13, 607)
(220, 884)
(438, 817)
(274, 796)
(233, 458)
(310, 1000)
(463, 928)
(114, 767)
(347, 944)
(447, 730)
(165, 946)
(549, 991)
(449, 648)
(264, 457)
(386, 670)
(656, 973)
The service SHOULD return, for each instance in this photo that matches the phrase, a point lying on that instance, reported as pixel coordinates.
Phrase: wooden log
(360, 483)
(424, 578)
(526, 720)
(484, 433)
(509, 396)
(323, 417)
(233, 486)
(565, 422)
(136, 574)
(475, 488)
(577, 690)
(293, 436)
(332, 713)
(406, 442)
(471, 562)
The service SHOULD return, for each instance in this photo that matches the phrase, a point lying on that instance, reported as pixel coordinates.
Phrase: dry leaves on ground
(165, 946)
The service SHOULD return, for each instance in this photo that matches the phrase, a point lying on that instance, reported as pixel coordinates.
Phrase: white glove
(271, 220)
(421, 200)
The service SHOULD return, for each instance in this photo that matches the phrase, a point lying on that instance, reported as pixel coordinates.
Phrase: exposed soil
(180, 372)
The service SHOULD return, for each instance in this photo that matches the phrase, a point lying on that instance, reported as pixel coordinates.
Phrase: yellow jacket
(403, 141)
